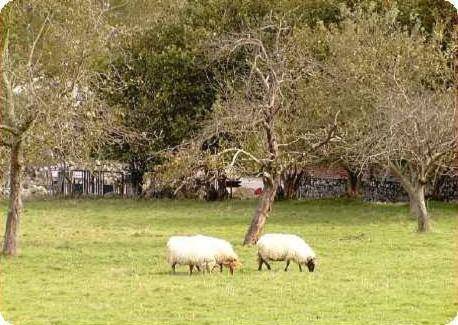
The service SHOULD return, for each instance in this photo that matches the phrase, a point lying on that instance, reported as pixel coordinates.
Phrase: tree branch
(5, 144)
(329, 136)
(241, 151)
(9, 90)
(10, 130)
(37, 39)
(407, 184)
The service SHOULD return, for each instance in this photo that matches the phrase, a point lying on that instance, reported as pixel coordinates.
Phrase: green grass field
(103, 262)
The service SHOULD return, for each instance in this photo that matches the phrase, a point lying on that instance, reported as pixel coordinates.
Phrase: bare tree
(258, 108)
(413, 137)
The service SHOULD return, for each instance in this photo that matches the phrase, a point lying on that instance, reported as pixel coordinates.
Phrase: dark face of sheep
(311, 265)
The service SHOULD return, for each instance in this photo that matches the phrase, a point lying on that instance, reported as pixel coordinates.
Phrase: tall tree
(258, 108)
(162, 84)
(48, 108)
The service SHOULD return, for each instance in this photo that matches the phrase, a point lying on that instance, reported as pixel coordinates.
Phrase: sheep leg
(267, 264)
(191, 267)
(198, 268)
(221, 267)
(300, 267)
(207, 267)
(173, 267)
(260, 263)
(287, 265)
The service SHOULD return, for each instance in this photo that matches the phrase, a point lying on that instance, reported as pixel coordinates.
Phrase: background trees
(72, 74)
(162, 85)
(394, 89)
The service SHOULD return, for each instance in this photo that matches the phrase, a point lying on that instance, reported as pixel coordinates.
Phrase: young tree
(48, 106)
(412, 134)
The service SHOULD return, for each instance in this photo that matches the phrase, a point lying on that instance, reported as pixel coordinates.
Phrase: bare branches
(11, 130)
(238, 152)
(6, 144)
(37, 39)
(9, 99)
(330, 135)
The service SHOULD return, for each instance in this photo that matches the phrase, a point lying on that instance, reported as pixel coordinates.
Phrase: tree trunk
(262, 212)
(10, 244)
(353, 184)
(418, 208)
(292, 179)
(136, 175)
(455, 36)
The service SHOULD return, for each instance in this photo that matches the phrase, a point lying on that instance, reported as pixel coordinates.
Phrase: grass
(103, 262)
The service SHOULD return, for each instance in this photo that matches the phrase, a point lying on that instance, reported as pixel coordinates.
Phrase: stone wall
(390, 190)
(383, 190)
(386, 189)
(446, 189)
(321, 188)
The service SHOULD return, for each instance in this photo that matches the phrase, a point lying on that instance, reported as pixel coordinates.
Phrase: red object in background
(258, 191)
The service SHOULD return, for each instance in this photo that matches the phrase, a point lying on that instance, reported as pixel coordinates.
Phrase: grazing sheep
(223, 252)
(201, 251)
(283, 247)
(192, 251)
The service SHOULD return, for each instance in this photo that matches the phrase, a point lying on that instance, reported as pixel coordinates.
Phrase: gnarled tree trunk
(10, 244)
(415, 186)
(418, 207)
(262, 212)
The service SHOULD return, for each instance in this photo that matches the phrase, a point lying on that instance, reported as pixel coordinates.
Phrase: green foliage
(164, 80)
(219, 17)
(103, 262)
(163, 86)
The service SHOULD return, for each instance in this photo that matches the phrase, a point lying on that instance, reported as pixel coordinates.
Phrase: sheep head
(232, 264)
(311, 263)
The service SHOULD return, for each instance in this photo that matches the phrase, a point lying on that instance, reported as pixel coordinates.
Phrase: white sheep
(201, 251)
(284, 247)
(454, 321)
(186, 250)
(2, 321)
(223, 252)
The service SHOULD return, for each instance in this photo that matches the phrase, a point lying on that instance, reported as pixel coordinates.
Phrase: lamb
(201, 251)
(284, 247)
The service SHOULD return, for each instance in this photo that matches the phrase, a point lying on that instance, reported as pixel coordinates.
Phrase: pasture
(103, 262)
